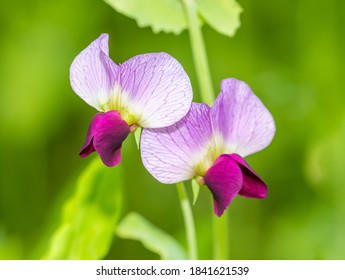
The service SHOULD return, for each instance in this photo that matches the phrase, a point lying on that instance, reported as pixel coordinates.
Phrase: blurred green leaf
(90, 215)
(163, 15)
(11, 247)
(325, 162)
(136, 227)
(325, 167)
(221, 15)
(195, 189)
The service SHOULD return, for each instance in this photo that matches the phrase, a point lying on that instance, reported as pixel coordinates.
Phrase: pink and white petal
(93, 73)
(253, 186)
(224, 179)
(241, 122)
(156, 89)
(172, 154)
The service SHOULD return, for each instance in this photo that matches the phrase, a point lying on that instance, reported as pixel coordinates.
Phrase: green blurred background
(290, 52)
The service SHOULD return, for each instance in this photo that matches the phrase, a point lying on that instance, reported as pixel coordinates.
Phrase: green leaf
(162, 15)
(90, 215)
(195, 189)
(222, 15)
(136, 227)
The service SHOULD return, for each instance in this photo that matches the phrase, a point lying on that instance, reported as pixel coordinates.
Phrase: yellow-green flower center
(119, 100)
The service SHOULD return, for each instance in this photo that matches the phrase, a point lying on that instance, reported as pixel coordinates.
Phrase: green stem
(188, 221)
(220, 228)
(199, 52)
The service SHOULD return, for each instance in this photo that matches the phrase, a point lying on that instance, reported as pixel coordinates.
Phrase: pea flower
(209, 144)
(149, 90)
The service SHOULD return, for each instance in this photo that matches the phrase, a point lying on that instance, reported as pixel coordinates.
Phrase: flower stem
(199, 52)
(220, 228)
(188, 221)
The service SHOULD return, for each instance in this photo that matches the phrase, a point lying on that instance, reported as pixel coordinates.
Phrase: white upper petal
(93, 73)
(174, 154)
(240, 121)
(155, 88)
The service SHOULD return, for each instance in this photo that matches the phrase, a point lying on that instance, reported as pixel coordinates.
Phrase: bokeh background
(290, 52)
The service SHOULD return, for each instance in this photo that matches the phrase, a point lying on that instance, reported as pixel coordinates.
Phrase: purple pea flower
(209, 144)
(148, 90)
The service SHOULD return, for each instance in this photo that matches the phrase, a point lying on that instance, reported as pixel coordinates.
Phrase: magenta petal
(253, 186)
(105, 136)
(88, 147)
(224, 179)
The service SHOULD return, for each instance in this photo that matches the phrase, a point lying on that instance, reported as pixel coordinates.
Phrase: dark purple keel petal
(88, 145)
(253, 186)
(105, 136)
(224, 179)
(111, 132)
